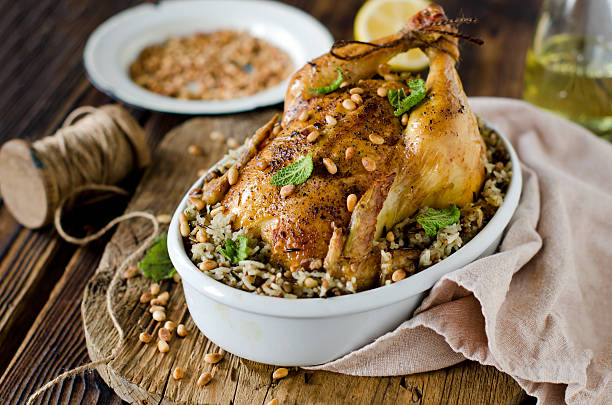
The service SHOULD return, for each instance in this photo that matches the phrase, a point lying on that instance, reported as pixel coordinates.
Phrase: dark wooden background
(42, 80)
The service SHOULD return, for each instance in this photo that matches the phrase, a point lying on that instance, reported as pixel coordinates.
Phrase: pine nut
(404, 119)
(390, 236)
(356, 99)
(376, 139)
(163, 218)
(155, 308)
(262, 164)
(197, 203)
(156, 301)
(195, 150)
(368, 164)
(344, 84)
(310, 282)
(349, 153)
(398, 275)
(232, 143)
(164, 297)
(216, 211)
(280, 373)
(145, 337)
(131, 272)
(351, 201)
(176, 277)
(204, 379)
(184, 225)
(181, 330)
(316, 264)
(312, 136)
(146, 297)
(287, 190)
(159, 316)
(349, 104)
(304, 115)
(331, 121)
(201, 236)
(207, 265)
(162, 346)
(154, 288)
(164, 334)
(170, 326)
(217, 136)
(273, 402)
(330, 166)
(276, 129)
(232, 175)
(177, 374)
(213, 358)
(356, 90)
(381, 91)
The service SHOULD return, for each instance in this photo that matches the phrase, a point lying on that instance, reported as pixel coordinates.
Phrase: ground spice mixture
(219, 65)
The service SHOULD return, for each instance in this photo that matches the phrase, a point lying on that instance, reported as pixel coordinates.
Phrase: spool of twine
(94, 150)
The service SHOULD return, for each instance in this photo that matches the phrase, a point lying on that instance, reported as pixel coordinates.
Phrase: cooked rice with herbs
(406, 247)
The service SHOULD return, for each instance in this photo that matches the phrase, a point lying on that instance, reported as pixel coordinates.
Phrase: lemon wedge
(379, 18)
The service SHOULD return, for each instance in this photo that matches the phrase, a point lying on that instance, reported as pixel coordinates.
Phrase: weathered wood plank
(41, 59)
(55, 343)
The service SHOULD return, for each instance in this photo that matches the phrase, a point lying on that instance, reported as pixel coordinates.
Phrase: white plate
(115, 44)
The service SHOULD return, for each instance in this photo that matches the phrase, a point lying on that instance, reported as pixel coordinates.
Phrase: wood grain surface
(42, 278)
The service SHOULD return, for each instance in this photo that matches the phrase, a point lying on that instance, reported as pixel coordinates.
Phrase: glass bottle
(569, 67)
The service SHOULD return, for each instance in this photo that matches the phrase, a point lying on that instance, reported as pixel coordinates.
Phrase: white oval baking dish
(304, 332)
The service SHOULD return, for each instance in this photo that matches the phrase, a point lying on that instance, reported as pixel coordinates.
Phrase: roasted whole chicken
(432, 156)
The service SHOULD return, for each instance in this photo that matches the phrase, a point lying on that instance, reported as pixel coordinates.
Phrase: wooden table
(42, 277)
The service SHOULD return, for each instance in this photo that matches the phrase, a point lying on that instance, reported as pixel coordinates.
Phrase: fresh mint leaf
(402, 102)
(433, 220)
(235, 252)
(328, 89)
(395, 97)
(242, 248)
(296, 173)
(156, 263)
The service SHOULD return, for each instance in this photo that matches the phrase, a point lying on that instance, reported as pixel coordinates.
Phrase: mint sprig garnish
(296, 173)
(433, 220)
(156, 263)
(402, 102)
(328, 89)
(235, 252)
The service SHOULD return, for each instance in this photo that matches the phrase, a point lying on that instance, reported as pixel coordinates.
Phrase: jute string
(92, 156)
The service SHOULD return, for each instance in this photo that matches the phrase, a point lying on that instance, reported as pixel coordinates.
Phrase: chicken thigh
(360, 147)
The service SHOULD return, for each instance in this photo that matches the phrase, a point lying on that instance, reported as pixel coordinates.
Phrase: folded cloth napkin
(539, 309)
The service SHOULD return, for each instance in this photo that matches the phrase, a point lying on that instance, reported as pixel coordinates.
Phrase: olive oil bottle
(572, 76)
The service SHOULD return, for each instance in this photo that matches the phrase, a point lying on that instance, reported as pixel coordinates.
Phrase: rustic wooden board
(140, 374)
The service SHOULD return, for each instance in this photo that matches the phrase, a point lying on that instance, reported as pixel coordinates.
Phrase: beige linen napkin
(541, 308)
